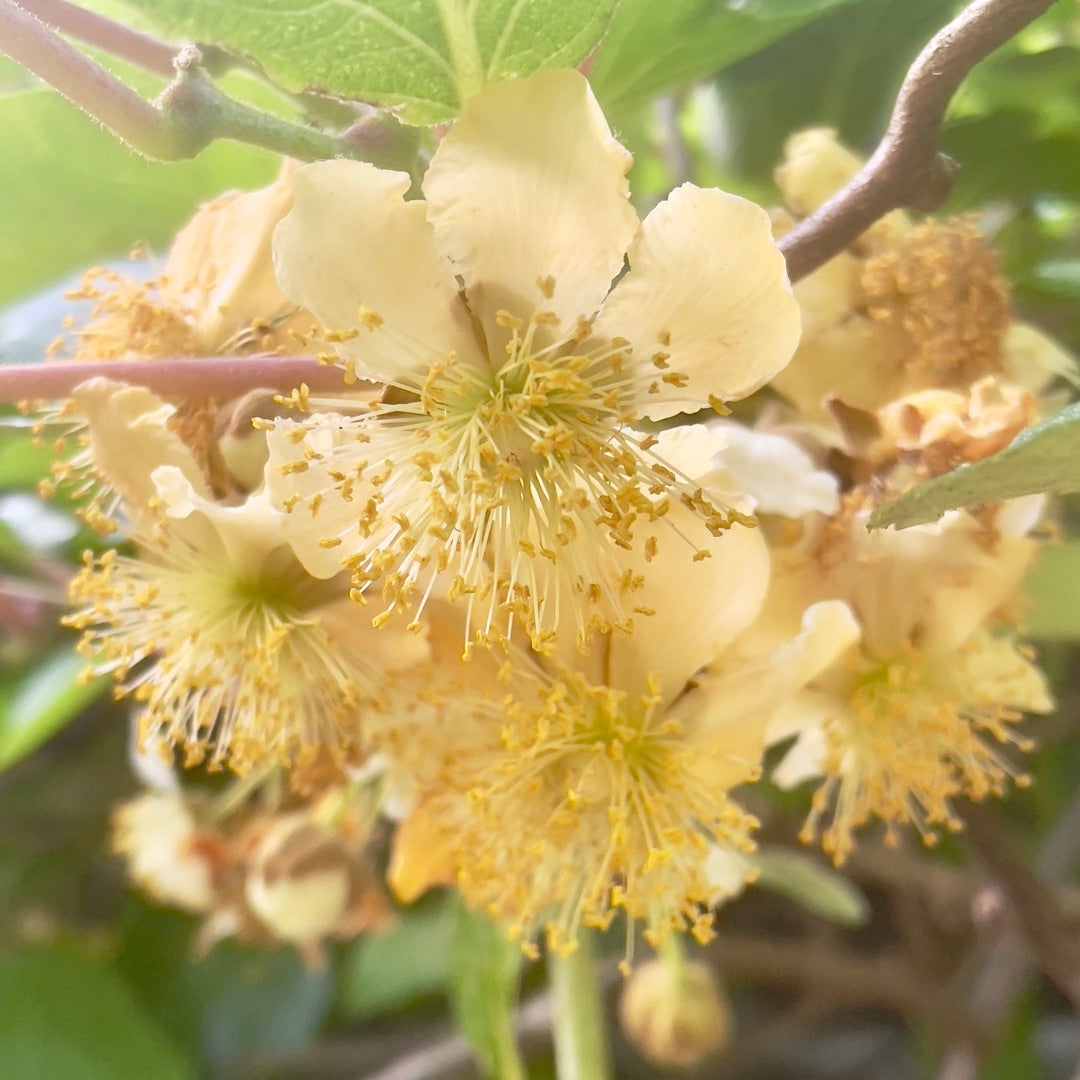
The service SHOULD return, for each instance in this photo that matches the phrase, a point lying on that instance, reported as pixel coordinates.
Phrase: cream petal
(530, 185)
(706, 289)
(311, 534)
(130, 436)
(805, 760)
(697, 608)
(773, 471)
(746, 687)
(247, 533)
(354, 253)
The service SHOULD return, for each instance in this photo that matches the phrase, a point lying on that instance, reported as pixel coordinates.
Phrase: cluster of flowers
(517, 588)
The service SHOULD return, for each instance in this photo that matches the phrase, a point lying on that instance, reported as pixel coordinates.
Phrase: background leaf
(74, 194)
(484, 985)
(37, 705)
(814, 886)
(66, 1015)
(1043, 458)
(389, 52)
(653, 48)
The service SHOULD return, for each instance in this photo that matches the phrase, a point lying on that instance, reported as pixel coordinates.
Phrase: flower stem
(189, 114)
(581, 1050)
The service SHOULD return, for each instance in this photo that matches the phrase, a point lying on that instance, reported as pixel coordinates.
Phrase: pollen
(940, 290)
(917, 735)
(514, 469)
(230, 666)
(611, 814)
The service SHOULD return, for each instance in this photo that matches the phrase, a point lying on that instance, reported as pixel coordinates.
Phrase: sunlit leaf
(1043, 458)
(420, 56)
(66, 1016)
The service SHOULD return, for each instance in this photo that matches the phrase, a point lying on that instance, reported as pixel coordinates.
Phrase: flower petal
(697, 607)
(353, 252)
(707, 297)
(530, 185)
(130, 436)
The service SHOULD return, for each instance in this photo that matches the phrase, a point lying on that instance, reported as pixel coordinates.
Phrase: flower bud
(675, 1014)
(167, 855)
(299, 880)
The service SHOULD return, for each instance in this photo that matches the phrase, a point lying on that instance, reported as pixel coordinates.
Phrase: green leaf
(1043, 458)
(653, 48)
(1054, 587)
(384, 972)
(66, 1015)
(42, 702)
(73, 194)
(807, 882)
(255, 1004)
(423, 57)
(486, 968)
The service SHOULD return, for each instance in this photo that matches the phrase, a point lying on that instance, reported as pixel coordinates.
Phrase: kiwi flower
(500, 468)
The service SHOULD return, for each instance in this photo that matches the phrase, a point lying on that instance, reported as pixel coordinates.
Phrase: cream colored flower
(231, 649)
(593, 785)
(215, 294)
(913, 718)
(501, 468)
(907, 307)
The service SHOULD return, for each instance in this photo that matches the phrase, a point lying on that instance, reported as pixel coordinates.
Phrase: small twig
(104, 33)
(1047, 928)
(29, 42)
(188, 115)
(216, 376)
(907, 170)
(817, 968)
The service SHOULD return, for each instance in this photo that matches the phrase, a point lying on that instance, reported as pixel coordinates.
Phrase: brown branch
(818, 969)
(190, 113)
(907, 170)
(1048, 929)
(217, 376)
(104, 33)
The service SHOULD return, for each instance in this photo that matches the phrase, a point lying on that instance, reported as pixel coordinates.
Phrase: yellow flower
(500, 467)
(917, 715)
(599, 784)
(907, 307)
(215, 294)
(230, 648)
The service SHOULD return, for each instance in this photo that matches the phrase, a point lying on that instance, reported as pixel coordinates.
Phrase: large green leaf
(66, 1015)
(72, 194)
(1043, 458)
(421, 56)
(655, 47)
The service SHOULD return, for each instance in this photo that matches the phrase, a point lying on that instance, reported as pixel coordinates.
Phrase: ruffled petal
(130, 436)
(528, 197)
(706, 304)
(355, 254)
